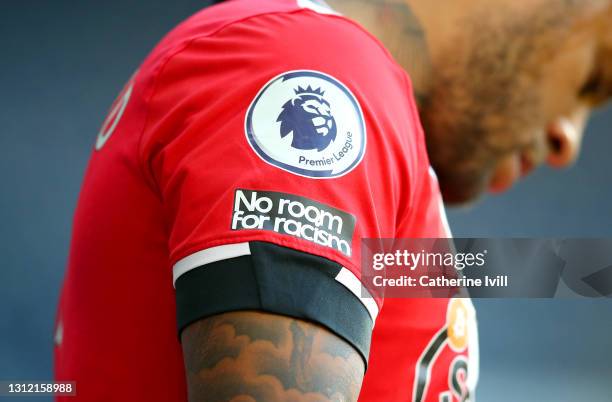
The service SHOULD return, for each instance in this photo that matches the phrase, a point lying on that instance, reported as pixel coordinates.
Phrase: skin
(252, 356)
(502, 87)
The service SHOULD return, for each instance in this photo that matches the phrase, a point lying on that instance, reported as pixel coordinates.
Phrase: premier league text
(336, 156)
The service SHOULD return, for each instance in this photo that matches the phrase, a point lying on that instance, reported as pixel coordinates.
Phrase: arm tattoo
(259, 357)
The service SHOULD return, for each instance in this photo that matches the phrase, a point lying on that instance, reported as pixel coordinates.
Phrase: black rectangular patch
(294, 216)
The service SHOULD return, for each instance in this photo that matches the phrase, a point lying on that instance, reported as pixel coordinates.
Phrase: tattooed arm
(259, 357)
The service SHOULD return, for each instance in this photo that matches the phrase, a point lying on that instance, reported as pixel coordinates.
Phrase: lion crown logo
(308, 116)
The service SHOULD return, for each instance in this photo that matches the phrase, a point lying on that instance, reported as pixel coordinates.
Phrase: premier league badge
(307, 123)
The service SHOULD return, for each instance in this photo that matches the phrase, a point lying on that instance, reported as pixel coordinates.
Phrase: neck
(395, 24)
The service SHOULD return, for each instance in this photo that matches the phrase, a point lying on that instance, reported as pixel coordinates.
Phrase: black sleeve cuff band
(277, 280)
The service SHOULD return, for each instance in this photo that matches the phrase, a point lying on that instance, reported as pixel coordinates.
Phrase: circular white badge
(307, 123)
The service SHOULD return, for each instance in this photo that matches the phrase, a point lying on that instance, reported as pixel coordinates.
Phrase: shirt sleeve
(280, 132)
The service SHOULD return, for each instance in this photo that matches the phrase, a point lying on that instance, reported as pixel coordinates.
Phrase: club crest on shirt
(307, 123)
(461, 369)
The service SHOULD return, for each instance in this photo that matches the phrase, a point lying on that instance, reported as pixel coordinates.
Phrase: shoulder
(289, 70)
(277, 31)
(233, 52)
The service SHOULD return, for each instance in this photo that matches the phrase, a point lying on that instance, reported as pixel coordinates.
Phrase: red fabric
(162, 186)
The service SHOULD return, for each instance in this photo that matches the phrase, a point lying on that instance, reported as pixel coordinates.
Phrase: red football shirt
(273, 121)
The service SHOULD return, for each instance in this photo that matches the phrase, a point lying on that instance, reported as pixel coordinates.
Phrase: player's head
(512, 84)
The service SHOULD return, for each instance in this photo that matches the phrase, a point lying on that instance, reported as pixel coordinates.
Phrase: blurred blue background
(63, 63)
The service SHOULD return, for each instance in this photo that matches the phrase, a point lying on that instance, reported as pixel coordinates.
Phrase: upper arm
(250, 191)
(254, 356)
